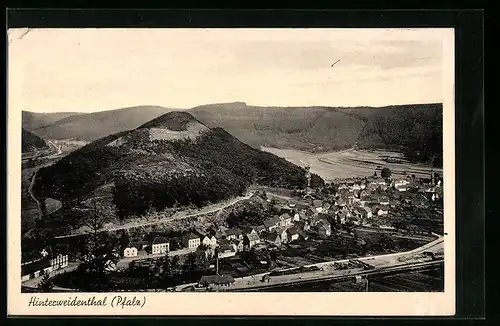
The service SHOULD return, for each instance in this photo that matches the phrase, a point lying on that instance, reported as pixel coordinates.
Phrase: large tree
(385, 173)
(97, 248)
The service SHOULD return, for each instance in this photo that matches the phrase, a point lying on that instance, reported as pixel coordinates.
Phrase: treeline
(416, 131)
(132, 198)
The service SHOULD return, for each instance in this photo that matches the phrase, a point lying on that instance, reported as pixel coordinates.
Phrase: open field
(352, 163)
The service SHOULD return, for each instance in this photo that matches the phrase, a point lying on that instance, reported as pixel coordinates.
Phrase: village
(351, 219)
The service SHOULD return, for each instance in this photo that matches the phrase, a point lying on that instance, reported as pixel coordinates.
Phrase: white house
(367, 212)
(318, 205)
(292, 234)
(110, 266)
(209, 241)
(251, 240)
(400, 183)
(59, 261)
(192, 241)
(285, 220)
(130, 252)
(382, 211)
(160, 245)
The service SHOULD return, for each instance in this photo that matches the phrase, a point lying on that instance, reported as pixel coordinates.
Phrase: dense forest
(416, 131)
(159, 174)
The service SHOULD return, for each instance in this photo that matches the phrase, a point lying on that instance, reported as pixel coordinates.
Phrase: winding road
(134, 225)
(30, 192)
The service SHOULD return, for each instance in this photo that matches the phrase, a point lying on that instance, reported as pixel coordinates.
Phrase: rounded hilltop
(174, 121)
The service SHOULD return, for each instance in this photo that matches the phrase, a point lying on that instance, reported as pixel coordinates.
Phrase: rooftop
(35, 266)
(216, 279)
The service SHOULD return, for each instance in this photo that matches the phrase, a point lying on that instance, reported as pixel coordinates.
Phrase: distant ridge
(92, 126)
(33, 120)
(415, 130)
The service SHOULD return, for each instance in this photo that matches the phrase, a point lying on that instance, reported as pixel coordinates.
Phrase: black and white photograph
(198, 161)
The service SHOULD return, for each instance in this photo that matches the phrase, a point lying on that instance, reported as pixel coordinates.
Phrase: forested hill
(415, 130)
(175, 160)
(31, 142)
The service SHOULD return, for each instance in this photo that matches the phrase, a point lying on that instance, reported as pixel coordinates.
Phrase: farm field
(29, 210)
(352, 163)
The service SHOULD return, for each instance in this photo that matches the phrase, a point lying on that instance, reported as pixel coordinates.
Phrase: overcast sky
(88, 70)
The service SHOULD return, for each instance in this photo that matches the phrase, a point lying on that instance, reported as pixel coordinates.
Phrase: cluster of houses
(356, 202)
(46, 264)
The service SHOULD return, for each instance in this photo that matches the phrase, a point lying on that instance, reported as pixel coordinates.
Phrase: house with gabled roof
(272, 238)
(302, 225)
(271, 223)
(285, 220)
(250, 240)
(238, 245)
(234, 234)
(292, 234)
(260, 228)
(209, 241)
(367, 212)
(216, 281)
(191, 240)
(281, 232)
(225, 251)
(159, 245)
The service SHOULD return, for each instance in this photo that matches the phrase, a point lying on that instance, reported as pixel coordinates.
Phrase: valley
(353, 163)
(175, 177)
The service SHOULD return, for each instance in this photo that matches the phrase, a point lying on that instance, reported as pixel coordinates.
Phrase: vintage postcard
(231, 172)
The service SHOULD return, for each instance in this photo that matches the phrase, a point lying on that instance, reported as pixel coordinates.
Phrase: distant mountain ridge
(415, 130)
(33, 120)
(173, 160)
(95, 125)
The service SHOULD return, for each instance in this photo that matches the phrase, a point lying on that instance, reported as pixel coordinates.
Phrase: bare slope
(92, 126)
(190, 164)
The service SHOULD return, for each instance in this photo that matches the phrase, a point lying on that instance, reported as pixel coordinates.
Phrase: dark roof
(293, 231)
(236, 242)
(248, 229)
(285, 216)
(159, 240)
(35, 266)
(191, 236)
(216, 279)
(225, 247)
(268, 222)
(269, 236)
(317, 203)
